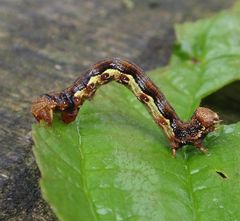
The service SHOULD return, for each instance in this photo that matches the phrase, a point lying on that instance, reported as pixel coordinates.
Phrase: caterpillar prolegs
(68, 102)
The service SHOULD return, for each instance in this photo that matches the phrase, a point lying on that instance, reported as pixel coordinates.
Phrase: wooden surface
(45, 45)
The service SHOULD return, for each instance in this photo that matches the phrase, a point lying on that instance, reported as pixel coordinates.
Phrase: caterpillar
(178, 132)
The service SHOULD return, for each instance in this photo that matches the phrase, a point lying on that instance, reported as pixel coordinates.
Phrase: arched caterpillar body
(70, 100)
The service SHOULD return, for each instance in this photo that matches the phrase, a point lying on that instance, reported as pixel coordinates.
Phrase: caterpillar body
(69, 100)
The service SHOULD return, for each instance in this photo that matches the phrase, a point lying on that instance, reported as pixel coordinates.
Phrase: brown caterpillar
(70, 100)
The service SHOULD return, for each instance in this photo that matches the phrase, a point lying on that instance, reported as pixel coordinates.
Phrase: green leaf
(113, 162)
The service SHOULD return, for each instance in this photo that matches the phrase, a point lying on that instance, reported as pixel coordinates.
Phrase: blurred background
(46, 44)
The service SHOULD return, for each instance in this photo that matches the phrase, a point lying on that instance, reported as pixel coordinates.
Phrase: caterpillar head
(42, 108)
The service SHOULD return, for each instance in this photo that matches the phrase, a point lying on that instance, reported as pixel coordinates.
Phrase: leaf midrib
(83, 175)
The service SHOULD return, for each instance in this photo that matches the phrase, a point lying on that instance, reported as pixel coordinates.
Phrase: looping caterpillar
(70, 100)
